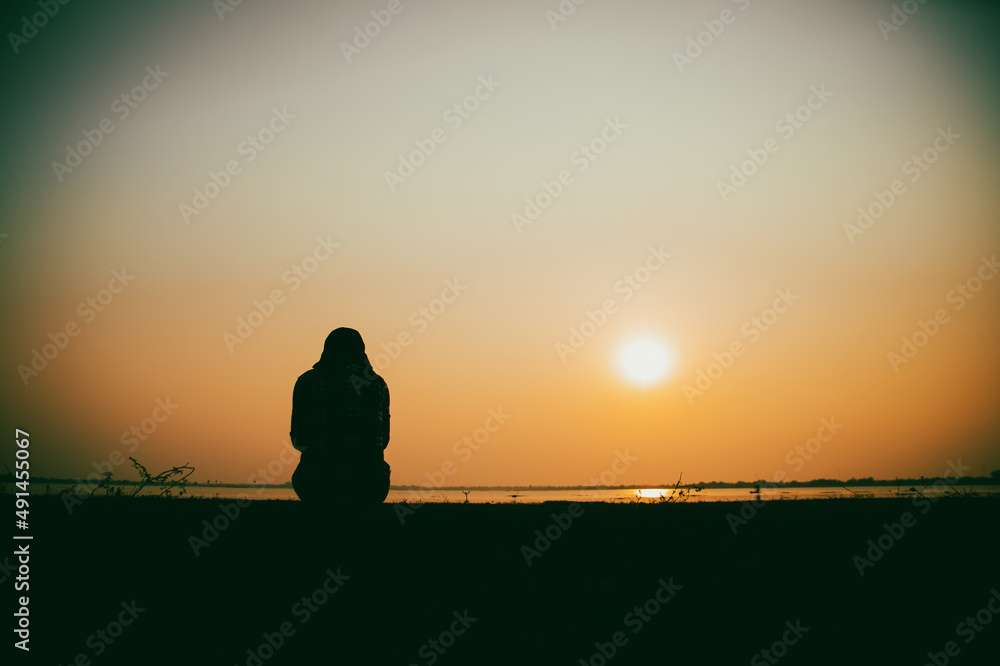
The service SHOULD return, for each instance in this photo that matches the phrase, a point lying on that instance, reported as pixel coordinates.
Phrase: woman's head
(343, 346)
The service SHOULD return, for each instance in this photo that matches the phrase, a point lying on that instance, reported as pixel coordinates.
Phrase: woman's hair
(342, 347)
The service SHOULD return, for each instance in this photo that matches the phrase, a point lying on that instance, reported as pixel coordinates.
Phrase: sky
(794, 203)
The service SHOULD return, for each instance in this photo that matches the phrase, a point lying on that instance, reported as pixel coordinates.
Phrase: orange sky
(622, 153)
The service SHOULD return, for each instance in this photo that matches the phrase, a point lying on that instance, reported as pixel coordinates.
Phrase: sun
(645, 361)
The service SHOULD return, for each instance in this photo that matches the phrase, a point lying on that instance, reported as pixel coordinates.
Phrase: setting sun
(645, 361)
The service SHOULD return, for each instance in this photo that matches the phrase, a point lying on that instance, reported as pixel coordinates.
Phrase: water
(530, 495)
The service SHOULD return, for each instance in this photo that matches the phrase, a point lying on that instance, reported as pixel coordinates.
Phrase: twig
(849, 490)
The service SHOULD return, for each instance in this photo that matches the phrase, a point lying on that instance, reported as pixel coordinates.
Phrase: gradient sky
(522, 287)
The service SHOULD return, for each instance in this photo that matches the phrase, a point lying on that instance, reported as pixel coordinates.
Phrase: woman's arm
(299, 408)
(385, 417)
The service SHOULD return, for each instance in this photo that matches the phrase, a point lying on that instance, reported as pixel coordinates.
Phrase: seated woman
(340, 423)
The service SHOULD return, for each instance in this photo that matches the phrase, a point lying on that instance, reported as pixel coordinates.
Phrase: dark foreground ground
(118, 581)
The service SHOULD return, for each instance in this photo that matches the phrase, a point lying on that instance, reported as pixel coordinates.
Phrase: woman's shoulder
(309, 375)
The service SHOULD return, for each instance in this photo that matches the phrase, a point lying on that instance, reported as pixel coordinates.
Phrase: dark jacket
(340, 412)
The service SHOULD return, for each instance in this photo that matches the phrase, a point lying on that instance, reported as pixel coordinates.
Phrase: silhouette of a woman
(340, 423)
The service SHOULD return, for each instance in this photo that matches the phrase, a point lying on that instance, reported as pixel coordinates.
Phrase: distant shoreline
(918, 483)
